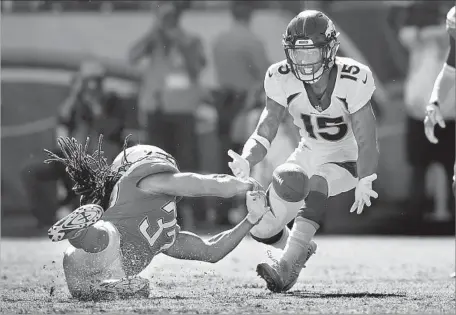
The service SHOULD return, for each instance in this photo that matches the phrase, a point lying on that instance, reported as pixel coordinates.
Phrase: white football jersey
(329, 128)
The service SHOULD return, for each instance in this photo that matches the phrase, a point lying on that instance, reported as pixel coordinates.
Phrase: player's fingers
(367, 201)
(371, 177)
(251, 197)
(354, 206)
(431, 118)
(440, 121)
(428, 123)
(429, 132)
(234, 155)
(255, 193)
(360, 207)
(234, 168)
(372, 194)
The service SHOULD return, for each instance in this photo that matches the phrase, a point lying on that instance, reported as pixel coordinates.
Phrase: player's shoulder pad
(275, 79)
(357, 68)
(357, 82)
(451, 22)
(355, 72)
(278, 70)
(148, 167)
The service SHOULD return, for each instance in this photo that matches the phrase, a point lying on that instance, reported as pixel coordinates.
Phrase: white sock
(301, 234)
(282, 242)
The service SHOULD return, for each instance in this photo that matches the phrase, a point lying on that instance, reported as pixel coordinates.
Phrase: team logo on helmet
(330, 30)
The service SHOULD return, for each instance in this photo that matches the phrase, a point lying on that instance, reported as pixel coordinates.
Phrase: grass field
(347, 275)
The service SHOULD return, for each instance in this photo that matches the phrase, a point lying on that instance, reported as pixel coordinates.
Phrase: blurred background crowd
(188, 76)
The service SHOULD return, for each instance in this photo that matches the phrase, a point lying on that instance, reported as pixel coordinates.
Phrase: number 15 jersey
(323, 128)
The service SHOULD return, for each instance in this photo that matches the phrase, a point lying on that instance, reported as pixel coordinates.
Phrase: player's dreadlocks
(94, 179)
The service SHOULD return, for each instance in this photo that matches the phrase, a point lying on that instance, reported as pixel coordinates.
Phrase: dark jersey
(146, 222)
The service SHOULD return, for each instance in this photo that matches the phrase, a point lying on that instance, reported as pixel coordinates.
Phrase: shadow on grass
(317, 295)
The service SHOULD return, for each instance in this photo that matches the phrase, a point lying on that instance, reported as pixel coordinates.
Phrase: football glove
(363, 193)
(239, 166)
(433, 117)
(257, 206)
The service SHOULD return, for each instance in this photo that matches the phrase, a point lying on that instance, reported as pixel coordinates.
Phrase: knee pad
(272, 224)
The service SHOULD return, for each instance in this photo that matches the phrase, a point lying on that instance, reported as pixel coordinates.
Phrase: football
(290, 182)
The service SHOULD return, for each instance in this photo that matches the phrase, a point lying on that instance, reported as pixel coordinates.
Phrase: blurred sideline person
(128, 216)
(170, 91)
(442, 98)
(88, 111)
(328, 98)
(240, 61)
(425, 38)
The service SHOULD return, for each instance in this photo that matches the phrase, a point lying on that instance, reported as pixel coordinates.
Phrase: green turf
(347, 275)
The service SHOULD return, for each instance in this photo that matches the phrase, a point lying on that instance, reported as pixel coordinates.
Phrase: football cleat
(282, 276)
(125, 288)
(79, 219)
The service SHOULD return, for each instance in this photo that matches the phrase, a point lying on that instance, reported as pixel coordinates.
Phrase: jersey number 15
(324, 123)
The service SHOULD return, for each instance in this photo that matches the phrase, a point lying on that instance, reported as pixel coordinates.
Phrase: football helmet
(140, 152)
(310, 44)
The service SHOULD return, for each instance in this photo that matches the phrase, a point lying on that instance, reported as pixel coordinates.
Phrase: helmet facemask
(308, 61)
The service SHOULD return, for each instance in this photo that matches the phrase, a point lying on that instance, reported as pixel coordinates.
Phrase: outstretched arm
(255, 148)
(190, 246)
(365, 131)
(196, 185)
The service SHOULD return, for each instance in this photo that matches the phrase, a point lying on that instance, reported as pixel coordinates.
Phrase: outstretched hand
(364, 193)
(257, 206)
(239, 166)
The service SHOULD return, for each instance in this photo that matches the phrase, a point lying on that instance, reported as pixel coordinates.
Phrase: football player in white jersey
(444, 90)
(329, 100)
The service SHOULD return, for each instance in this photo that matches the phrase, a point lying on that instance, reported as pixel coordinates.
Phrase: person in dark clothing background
(425, 37)
(88, 111)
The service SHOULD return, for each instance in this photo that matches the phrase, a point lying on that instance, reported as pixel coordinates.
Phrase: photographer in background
(170, 91)
(88, 111)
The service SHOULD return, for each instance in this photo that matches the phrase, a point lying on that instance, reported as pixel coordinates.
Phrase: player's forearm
(196, 185)
(222, 244)
(365, 131)
(368, 156)
(226, 186)
(254, 152)
(257, 146)
(443, 84)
